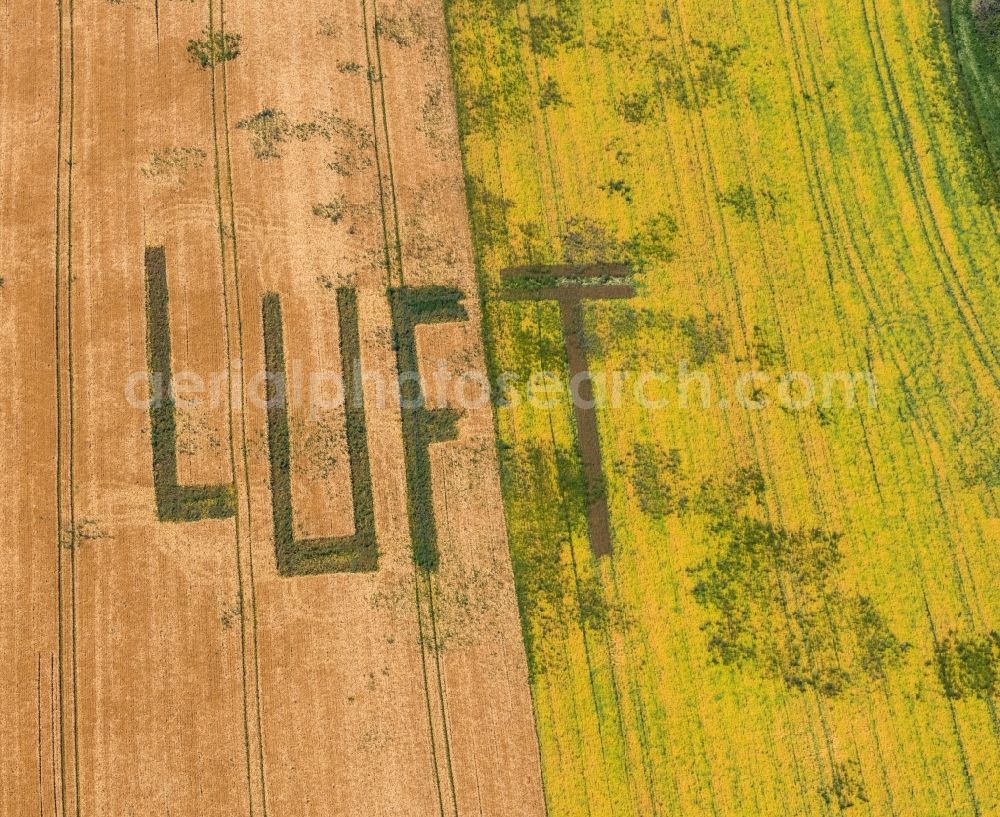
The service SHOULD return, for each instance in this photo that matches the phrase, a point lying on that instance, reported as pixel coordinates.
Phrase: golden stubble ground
(163, 668)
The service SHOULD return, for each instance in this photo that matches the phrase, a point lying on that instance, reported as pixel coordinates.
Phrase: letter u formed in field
(357, 553)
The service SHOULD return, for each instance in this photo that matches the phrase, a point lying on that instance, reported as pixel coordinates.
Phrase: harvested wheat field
(499, 407)
(212, 606)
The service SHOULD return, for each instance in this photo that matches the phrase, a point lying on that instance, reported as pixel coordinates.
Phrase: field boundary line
(230, 413)
(66, 533)
(492, 366)
(38, 723)
(57, 322)
(240, 339)
(52, 734)
(72, 405)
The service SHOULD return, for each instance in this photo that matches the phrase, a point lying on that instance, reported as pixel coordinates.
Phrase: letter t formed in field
(570, 285)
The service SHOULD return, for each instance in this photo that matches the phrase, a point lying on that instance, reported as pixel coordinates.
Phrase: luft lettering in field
(421, 427)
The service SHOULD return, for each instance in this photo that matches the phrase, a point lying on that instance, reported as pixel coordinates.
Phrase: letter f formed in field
(570, 285)
(357, 553)
(411, 307)
(174, 502)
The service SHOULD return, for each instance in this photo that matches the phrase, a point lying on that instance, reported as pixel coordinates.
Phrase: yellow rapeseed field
(798, 617)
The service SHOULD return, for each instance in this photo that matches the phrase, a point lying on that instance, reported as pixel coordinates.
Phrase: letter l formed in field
(174, 502)
(570, 285)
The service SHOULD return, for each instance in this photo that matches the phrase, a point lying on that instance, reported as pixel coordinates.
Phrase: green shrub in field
(550, 95)
(547, 33)
(847, 788)
(267, 128)
(700, 80)
(214, 48)
(652, 471)
(332, 211)
(270, 129)
(749, 204)
(173, 161)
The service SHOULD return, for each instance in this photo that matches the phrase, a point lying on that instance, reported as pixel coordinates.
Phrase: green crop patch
(847, 788)
(357, 553)
(174, 502)
(412, 307)
(969, 666)
(775, 598)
